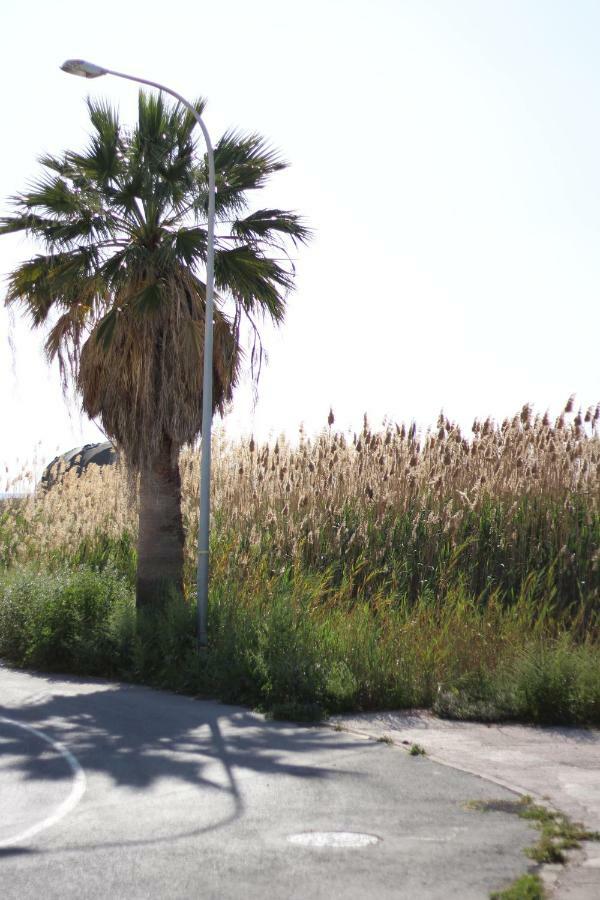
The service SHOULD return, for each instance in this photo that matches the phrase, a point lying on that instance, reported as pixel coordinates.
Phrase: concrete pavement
(559, 767)
(111, 790)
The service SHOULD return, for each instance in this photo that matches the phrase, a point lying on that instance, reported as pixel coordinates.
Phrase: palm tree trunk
(161, 538)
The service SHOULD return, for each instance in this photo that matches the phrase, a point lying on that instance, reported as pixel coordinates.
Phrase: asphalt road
(114, 791)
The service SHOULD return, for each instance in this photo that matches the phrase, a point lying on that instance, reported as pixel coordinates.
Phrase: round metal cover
(339, 839)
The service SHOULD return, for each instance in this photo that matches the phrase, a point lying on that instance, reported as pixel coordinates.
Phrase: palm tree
(120, 285)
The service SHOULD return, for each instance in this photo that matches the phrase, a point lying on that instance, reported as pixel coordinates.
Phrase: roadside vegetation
(384, 569)
(527, 887)
(557, 833)
(557, 836)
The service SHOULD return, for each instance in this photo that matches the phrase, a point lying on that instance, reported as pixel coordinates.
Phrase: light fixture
(82, 68)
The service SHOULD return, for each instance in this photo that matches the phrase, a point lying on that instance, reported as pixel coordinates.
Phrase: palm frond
(55, 280)
(102, 162)
(61, 166)
(264, 223)
(27, 222)
(243, 162)
(186, 122)
(190, 245)
(105, 329)
(248, 158)
(52, 194)
(255, 281)
(64, 341)
(67, 329)
(149, 299)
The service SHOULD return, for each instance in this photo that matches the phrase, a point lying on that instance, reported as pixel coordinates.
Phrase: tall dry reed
(513, 507)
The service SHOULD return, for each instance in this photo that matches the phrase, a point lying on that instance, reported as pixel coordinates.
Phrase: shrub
(289, 644)
(67, 620)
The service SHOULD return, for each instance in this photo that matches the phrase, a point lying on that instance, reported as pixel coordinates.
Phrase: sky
(445, 152)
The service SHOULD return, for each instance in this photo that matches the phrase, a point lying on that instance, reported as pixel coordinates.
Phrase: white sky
(447, 153)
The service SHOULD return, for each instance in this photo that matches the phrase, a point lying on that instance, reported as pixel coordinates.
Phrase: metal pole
(207, 385)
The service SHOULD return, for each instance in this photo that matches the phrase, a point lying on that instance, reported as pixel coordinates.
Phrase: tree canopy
(119, 280)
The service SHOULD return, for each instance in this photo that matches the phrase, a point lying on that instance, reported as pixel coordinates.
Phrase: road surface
(112, 790)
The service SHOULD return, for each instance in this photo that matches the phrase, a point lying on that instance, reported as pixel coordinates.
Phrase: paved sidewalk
(556, 766)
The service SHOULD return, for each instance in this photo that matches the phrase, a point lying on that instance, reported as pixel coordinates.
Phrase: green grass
(527, 887)
(290, 644)
(557, 835)
(417, 750)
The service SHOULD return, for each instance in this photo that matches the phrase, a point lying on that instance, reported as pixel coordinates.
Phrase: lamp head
(83, 68)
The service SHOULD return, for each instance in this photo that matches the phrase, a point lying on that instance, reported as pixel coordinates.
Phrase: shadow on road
(137, 737)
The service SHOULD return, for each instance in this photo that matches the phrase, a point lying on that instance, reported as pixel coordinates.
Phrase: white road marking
(77, 790)
(333, 839)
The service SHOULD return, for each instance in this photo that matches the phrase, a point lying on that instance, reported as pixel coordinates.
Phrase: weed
(557, 832)
(417, 750)
(527, 887)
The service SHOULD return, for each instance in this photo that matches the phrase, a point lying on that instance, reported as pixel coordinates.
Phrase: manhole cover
(333, 839)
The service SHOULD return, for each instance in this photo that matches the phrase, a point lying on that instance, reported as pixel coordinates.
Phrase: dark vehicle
(79, 459)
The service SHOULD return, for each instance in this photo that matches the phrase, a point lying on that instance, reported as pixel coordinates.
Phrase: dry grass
(515, 508)
(297, 492)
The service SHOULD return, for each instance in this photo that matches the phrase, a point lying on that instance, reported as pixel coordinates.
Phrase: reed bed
(511, 509)
(379, 569)
(514, 507)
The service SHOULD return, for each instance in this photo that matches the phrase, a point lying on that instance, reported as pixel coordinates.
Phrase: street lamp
(90, 70)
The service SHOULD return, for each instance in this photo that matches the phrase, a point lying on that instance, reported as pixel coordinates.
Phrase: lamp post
(90, 70)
